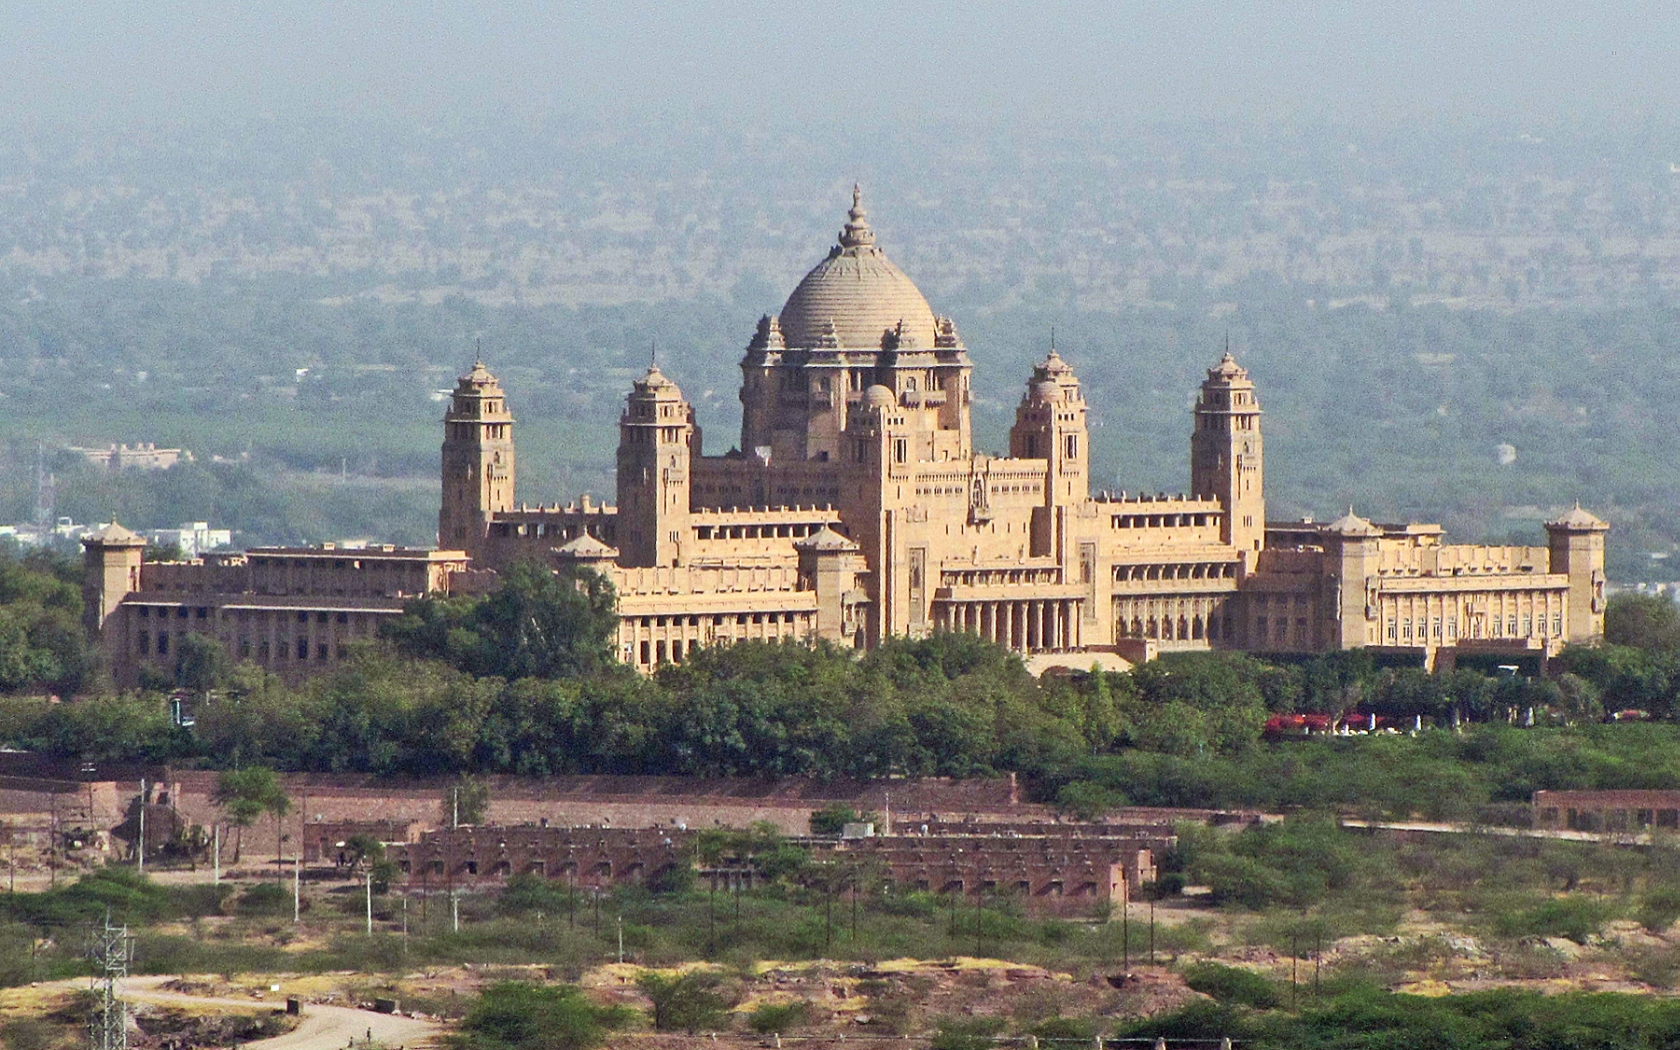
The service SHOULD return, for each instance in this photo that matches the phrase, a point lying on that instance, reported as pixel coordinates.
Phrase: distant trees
(243, 795)
(537, 624)
(43, 647)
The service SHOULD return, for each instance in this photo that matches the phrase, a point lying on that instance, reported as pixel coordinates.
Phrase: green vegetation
(537, 624)
(42, 644)
(1369, 1017)
(513, 1015)
(686, 1001)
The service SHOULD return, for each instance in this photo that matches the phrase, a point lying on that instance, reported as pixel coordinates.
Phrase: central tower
(854, 322)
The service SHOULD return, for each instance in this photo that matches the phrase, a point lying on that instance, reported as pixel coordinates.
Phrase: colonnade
(1033, 625)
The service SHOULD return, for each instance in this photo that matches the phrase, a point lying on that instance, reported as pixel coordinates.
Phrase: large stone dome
(860, 293)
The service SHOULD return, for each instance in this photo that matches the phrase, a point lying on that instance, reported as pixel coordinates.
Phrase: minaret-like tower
(477, 461)
(1576, 542)
(1050, 425)
(1226, 455)
(110, 572)
(657, 440)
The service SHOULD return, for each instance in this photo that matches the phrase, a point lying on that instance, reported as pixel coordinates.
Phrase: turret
(657, 440)
(477, 461)
(1226, 456)
(110, 572)
(1352, 544)
(1050, 425)
(1577, 551)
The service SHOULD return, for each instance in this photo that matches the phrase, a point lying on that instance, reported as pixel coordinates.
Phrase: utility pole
(142, 865)
(216, 850)
(370, 902)
(454, 911)
(1152, 926)
(621, 939)
(297, 887)
(112, 948)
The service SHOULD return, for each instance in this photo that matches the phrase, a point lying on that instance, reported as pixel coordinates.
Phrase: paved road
(322, 1027)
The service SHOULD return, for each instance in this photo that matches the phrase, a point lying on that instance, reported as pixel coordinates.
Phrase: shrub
(689, 1001)
(266, 898)
(780, 1017)
(1229, 984)
(1073, 1029)
(1660, 908)
(1575, 918)
(514, 1015)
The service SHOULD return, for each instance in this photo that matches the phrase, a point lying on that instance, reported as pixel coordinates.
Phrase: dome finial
(857, 233)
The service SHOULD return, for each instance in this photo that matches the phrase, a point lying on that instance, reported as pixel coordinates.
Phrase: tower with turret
(477, 461)
(111, 561)
(657, 441)
(1226, 455)
(1576, 542)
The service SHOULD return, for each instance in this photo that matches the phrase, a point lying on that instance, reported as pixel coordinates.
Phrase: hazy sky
(834, 61)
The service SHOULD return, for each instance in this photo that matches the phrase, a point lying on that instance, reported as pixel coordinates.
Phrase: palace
(857, 507)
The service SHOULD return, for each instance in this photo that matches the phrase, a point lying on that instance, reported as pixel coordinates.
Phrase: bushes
(779, 1017)
(1228, 984)
(1574, 917)
(518, 1016)
(685, 1002)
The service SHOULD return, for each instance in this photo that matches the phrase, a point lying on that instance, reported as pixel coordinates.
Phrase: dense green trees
(42, 645)
(537, 624)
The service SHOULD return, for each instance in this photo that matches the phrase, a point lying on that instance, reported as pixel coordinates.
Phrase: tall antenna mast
(111, 950)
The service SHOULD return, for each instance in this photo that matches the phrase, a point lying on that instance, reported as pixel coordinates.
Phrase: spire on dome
(857, 233)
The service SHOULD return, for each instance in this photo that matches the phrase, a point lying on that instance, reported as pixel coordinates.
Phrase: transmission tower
(111, 949)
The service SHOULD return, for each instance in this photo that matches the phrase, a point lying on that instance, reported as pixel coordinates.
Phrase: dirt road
(322, 1028)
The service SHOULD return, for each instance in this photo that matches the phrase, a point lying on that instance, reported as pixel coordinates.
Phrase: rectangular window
(1452, 627)
(145, 644)
(163, 643)
(321, 651)
(1436, 625)
(1513, 622)
(1557, 623)
(1393, 628)
(303, 648)
(1073, 446)
(1528, 626)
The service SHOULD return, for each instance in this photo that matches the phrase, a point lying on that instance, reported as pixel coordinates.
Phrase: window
(145, 644)
(1513, 623)
(303, 648)
(1405, 630)
(1436, 625)
(1072, 446)
(163, 643)
(1392, 628)
(901, 450)
(1557, 623)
